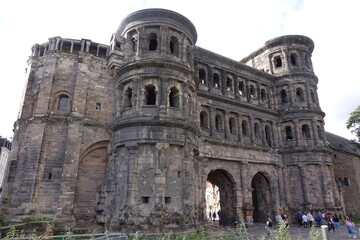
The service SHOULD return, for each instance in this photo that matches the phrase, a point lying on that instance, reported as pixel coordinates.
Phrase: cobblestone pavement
(258, 230)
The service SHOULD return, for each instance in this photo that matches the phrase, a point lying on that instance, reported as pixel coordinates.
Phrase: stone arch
(226, 184)
(62, 103)
(91, 172)
(261, 197)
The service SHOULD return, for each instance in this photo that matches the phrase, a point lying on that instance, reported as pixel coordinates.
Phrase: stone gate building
(127, 135)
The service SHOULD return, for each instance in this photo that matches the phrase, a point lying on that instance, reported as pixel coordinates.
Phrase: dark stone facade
(126, 136)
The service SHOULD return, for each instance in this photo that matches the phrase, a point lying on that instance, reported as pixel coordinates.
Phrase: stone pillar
(262, 133)
(71, 47)
(247, 198)
(314, 131)
(282, 196)
(164, 31)
(227, 125)
(88, 43)
(324, 184)
(212, 121)
(291, 95)
(132, 185)
(251, 129)
(304, 184)
(297, 131)
(240, 135)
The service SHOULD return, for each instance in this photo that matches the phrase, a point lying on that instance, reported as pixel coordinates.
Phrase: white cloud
(230, 28)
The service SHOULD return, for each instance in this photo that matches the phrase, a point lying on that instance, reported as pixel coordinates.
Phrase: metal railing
(97, 236)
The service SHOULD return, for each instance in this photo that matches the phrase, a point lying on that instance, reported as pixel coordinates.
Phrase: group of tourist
(306, 219)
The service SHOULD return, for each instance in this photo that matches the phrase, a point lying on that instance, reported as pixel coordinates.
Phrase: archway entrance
(91, 173)
(261, 197)
(225, 190)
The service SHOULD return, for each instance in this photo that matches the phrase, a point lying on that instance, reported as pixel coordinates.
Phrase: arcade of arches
(221, 197)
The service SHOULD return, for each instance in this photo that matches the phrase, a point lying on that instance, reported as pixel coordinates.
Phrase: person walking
(336, 221)
(350, 226)
(299, 218)
(319, 220)
(330, 222)
(305, 220)
(269, 225)
(310, 219)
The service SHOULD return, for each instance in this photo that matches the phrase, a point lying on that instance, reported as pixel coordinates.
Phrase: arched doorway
(91, 172)
(261, 197)
(226, 195)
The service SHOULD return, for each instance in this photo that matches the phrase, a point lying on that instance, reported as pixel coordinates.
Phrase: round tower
(301, 121)
(154, 132)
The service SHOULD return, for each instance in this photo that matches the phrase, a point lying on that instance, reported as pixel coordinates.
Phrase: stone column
(164, 31)
(304, 178)
(212, 121)
(71, 47)
(240, 135)
(314, 131)
(251, 129)
(227, 125)
(297, 131)
(247, 191)
(291, 95)
(262, 133)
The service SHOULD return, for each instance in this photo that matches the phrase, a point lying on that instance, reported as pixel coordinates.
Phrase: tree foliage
(353, 122)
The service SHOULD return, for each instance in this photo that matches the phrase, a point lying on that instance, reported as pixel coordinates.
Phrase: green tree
(353, 122)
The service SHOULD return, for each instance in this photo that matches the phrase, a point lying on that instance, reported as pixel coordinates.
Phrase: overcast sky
(230, 28)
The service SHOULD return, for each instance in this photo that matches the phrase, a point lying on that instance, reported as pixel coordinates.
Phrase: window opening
(202, 76)
(179, 174)
(216, 80)
(263, 95)
(152, 41)
(174, 97)
(167, 200)
(228, 84)
(257, 130)
(241, 88)
(203, 120)
(49, 176)
(128, 98)
(150, 95)
(283, 95)
(63, 103)
(305, 131)
(174, 45)
(98, 106)
(232, 127)
(145, 199)
(218, 123)
(293, 59)
(252, 91)
(289, 133)
(244, 128)
(346, 181)
(278, 61)
(76, 48)
(300, 95)
(267, 135)
(66, 47)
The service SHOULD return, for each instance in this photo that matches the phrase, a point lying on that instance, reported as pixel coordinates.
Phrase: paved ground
(296, 232)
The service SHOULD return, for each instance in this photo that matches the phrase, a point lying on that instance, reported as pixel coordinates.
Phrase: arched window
(174, 97)
(63, 103)
(263, 95)
(150, 95)
(283, 95)
(346, 181)
(245, 128)
(277, 61)
(300, 95)
(241, 88)
(152, 42)
(174, 45)
(252, 92)
(202, 76)
(204, 121)
(267, 135)
(257, 130)
(305, 130)
(289, 133)
(229, 84)
(293, 58)
(128, 98)
(312, 94)
(232, 125)
(216, 80)
(319, 132)
(218, 123)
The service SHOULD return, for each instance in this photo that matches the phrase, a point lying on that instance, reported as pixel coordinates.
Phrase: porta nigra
(126, 136)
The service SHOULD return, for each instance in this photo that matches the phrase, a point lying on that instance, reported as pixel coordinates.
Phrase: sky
(233, 29)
